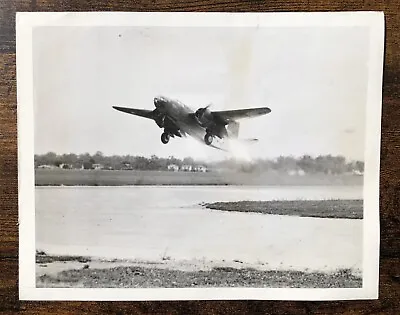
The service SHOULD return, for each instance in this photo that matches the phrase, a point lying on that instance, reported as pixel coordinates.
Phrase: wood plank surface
(389, 291)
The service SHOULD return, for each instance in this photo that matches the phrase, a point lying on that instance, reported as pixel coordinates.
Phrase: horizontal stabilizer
(246, 141)
(249, 140)
(219, 148)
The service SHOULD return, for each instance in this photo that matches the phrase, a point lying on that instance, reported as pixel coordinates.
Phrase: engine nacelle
(159, 118)
(204, 117)
(160, 121)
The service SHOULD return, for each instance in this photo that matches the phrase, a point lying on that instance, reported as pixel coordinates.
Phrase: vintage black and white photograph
(206, 153)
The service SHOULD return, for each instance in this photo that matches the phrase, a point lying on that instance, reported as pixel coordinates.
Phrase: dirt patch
(87, 272)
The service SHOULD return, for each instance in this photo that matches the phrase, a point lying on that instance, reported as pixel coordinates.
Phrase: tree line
(327, 164)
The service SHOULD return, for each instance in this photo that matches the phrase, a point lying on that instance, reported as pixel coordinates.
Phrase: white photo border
(27, 21)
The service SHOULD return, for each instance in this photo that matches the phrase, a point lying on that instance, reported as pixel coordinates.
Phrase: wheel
(164, 137)
(208, 138)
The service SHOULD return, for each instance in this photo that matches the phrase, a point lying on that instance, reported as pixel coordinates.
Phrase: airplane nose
(157, 102)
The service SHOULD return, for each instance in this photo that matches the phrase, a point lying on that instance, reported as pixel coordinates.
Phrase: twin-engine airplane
(179, 120)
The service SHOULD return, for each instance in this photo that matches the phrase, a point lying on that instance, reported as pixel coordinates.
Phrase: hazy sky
(313, 79)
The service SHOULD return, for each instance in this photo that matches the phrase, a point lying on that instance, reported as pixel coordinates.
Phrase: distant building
(298, 172)
(65, 166)
(186, 168)
(46, 166)
(127, 166)
(358, 173)
(200, 168)
(97, 166)
(173, 167)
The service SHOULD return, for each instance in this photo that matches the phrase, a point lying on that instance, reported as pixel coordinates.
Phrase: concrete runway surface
(168, 224)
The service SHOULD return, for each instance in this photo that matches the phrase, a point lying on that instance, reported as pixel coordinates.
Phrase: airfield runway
(168, 224)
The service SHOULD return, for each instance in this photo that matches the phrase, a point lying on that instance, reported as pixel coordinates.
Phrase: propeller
(201, 111)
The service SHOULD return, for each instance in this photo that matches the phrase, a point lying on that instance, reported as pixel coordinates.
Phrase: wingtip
(120, 109)
(117, 108)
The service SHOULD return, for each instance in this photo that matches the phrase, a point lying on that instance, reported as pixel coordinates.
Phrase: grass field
(140, 277)
(343, 209)
(58, 177)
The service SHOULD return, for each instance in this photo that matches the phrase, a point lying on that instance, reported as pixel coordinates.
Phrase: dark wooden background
(389, 284)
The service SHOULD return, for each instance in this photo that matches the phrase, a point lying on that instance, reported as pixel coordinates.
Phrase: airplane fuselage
(181, 116)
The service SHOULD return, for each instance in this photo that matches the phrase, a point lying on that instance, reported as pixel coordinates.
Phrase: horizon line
(194, 158)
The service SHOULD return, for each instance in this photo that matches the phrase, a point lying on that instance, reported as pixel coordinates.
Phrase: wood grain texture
(389, 301)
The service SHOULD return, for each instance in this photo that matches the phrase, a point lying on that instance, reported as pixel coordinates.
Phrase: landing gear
(165, 137)
(208, 138)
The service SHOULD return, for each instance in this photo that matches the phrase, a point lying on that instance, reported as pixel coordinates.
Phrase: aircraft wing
(134, 111)
(229, 115)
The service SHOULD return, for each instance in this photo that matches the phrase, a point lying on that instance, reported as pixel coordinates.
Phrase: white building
(186, 168)
(46, 166)
(65, 166)
(200, 168)
(173, 167)
(298, 172)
